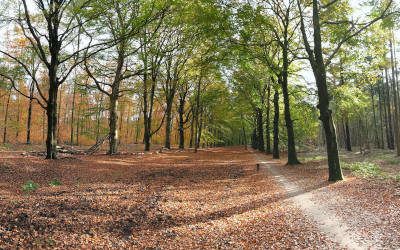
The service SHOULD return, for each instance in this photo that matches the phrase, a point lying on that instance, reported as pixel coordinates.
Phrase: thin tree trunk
(58, 116)
(6, 118)
(347, 134)
(18, 118)
(260, 130)
(267, 122)
(381, 104)
(181, 110)
(395, 102)
(73, 114)
(276, 126)
(389, 113)
(196, 139)
(29, 122)
(376, 139)
(168, 120)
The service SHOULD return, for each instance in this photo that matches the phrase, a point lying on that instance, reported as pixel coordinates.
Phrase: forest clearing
(204, 124)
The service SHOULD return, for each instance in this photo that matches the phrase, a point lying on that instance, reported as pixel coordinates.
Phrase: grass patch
(30, 186)
(364, 169)
(55, 183)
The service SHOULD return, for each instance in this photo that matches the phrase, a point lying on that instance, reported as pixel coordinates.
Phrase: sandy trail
(325, 218)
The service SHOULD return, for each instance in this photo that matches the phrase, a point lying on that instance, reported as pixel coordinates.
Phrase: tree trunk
(347, 135)
(260, 130)
(6, 118)
(380, 105)
(196, 140)
(319, 70)
(29, 122)
(376, 136)
(389, 114)
(191, 132)
(73, 114)
(275, 153)
(292, 155)
(51, 141)
(395, 102)
(113, 120)
(267, 122)
(181, 110)
(168, 120)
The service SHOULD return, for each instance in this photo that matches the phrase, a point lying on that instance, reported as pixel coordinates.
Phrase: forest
(211, 124)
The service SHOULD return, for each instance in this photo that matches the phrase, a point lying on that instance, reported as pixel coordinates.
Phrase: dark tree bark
(389, 128)
(395, 101)
(315, 57)
(267, 122)
(196, 135)
(381, 107)
(168, 120)
(181, 128)
(347, 135)
(73, 115)
(254, 140)
(275, 152)
(376, 136)
(112, 122)
(260, 130)
(29, 121)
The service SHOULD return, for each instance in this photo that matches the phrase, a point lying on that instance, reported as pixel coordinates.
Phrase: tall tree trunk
(267, 122)
(389, 113)
(347, 134)
(51, 141)
(260, 130)
(98, 116)
(376, 137)
(18, 118)
(73, 114)
(200, 129)
(58, 116)
(292, 155)
(113, 129)
(319, 70)
(381, 107)
(197, 141)
(395, 102)
(191, 132)
(168, 121)
(29, 122)
(181, 110)
(6, 117)
(275, 153)
(244, 133)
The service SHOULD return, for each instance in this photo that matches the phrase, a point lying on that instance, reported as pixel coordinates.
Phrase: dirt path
(325, 218)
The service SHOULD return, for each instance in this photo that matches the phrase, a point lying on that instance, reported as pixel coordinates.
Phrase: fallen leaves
(213, 199)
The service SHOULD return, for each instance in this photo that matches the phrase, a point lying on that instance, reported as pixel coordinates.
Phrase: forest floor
(216, 198)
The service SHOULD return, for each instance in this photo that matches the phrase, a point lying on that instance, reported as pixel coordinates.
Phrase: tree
(318, 65)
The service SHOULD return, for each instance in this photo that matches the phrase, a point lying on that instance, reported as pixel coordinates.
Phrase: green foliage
(364, 169)
(55, 183)
(30, 186)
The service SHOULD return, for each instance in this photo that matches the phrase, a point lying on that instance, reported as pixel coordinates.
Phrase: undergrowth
(364, 169)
